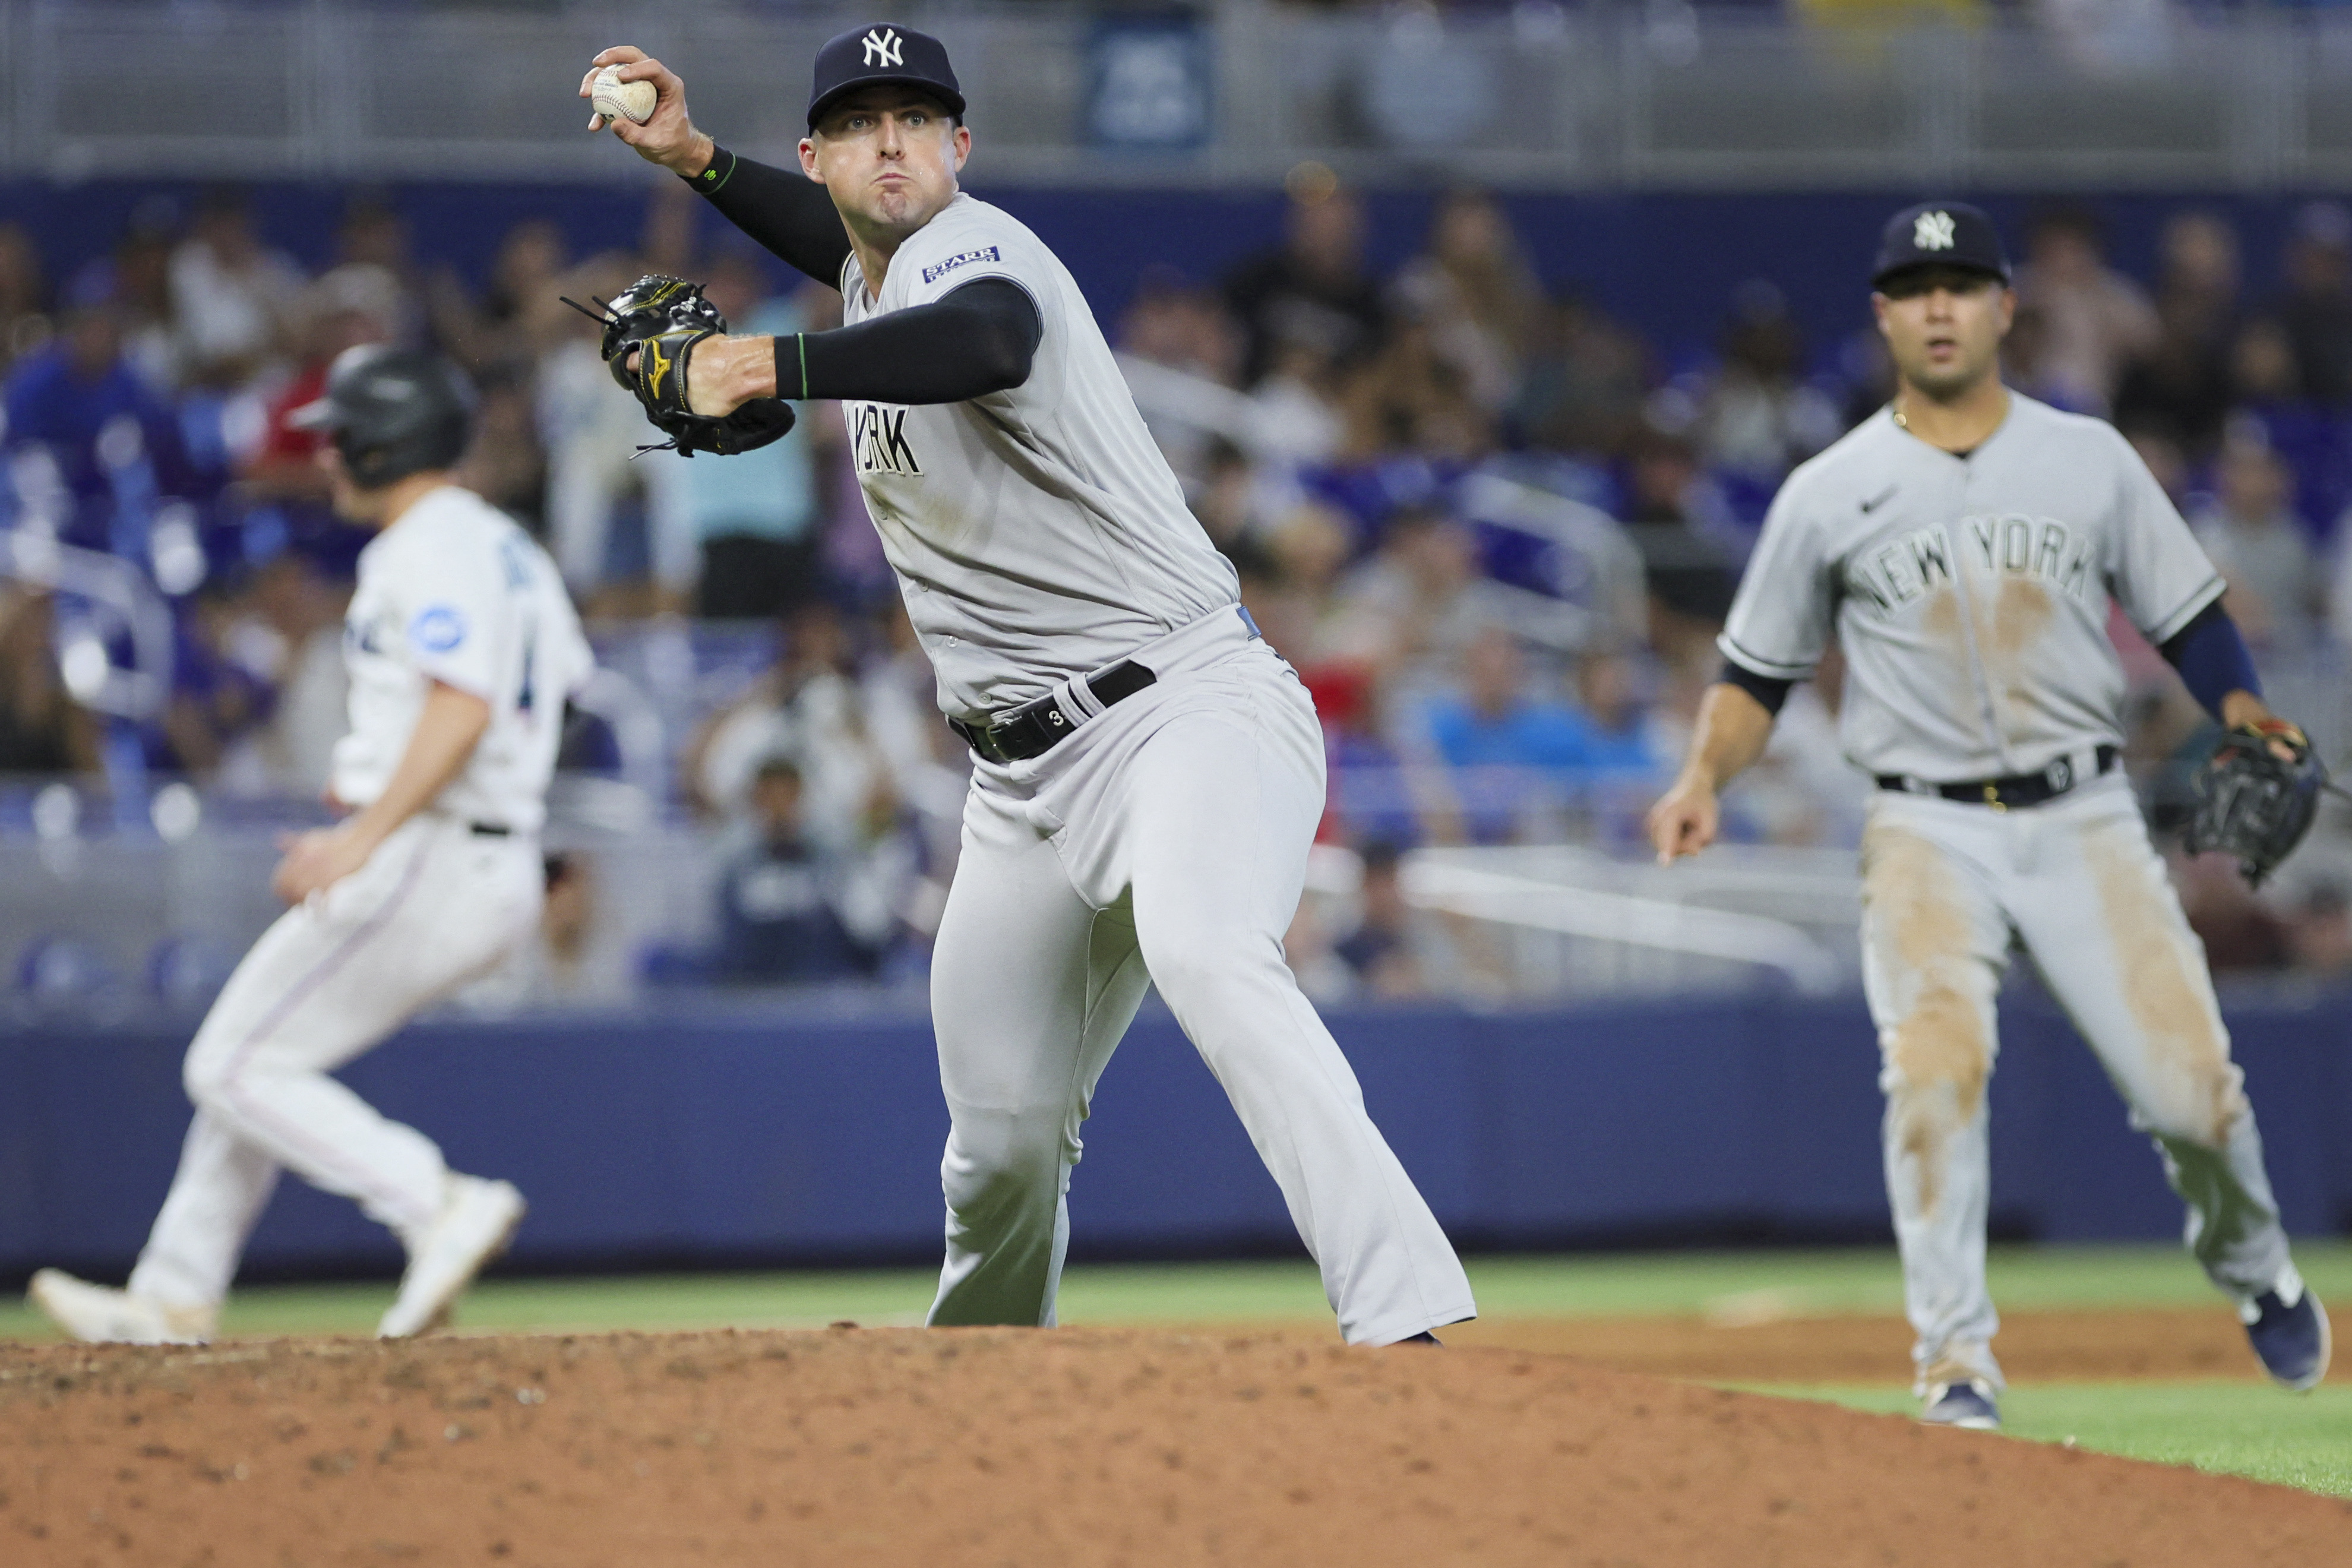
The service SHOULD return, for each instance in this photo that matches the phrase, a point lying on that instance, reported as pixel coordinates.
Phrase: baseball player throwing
(1962, 545)
(461, 647)
(1148, 774)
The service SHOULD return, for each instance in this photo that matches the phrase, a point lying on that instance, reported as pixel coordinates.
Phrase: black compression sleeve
(789, 214)
(1763, 688)
(979, 338)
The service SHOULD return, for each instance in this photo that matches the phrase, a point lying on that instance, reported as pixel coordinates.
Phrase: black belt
(2006, 794)
(1036, 728)
(489, 829)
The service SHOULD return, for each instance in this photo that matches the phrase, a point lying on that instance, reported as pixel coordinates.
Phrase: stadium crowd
(1493, 529)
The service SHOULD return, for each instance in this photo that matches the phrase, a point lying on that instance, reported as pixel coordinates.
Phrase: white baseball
(613, 99)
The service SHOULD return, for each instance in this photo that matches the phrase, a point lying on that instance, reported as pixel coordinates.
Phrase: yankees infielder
(1962, 546)
(1148, 774)
(462, 647)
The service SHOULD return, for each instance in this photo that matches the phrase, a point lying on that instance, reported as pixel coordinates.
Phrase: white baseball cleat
(101, 1315)
(476, 1221)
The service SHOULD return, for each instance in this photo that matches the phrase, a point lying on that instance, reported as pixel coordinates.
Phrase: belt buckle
(1993, 797)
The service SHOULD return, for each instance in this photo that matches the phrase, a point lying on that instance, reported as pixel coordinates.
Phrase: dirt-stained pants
(1165, 841)
(1946, 886)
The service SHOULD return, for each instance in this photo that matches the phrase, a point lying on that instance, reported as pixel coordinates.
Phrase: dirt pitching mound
(2034, 1347)
(976, 1448)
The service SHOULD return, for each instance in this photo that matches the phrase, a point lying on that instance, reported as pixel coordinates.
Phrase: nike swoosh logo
(1879, 501)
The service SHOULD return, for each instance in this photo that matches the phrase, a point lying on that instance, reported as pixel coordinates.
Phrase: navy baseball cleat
(1967, 1405)
(2288, 1329)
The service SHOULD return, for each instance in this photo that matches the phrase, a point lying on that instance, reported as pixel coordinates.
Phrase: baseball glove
(660, 320)
(2253, 804)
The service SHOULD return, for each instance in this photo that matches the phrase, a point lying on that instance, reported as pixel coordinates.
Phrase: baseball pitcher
(462, 648)
(1148, 774)
(1963, 546)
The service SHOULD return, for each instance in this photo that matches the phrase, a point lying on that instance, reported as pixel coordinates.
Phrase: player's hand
(317, 860)
(1685, 819)
(667, 137)
(725, 373)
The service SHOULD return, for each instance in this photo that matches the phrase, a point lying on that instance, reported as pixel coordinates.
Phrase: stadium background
(1480, 336)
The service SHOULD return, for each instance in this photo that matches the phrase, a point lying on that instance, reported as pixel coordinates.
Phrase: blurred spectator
(781, 900)
(1313, 289)
(2319, 930)
(502, 331)
(504, 466)
(1475, 293)
(2094, 320)
(861, 737)
(230, 294)
(108, 447)
(2276, 593)
(1616, 740)
(1496, 732)
(2263, 369)
(1688, 572)
(356, 303)
(744, 528)
(1755, 415)
(1411, 397)
(1586, 377)
(1383, 952)
(42, 730)
(135, 280)
(1294, 408)
(216, 695)
(1421, 597)
(2315, 307)
(1174, 322)
(590, 427)
(2181, 382)
(285, 631)
(24, 296)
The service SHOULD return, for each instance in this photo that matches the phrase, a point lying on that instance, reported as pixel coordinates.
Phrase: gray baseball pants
(1165, 841)
(1947, 886)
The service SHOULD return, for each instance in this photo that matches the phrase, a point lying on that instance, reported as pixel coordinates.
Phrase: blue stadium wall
(738, 1137)
(1667, 263)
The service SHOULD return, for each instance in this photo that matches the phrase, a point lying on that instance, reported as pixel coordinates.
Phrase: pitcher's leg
(1225, 809)
(217, 1195)
(1934, 945)
(1031, 990)
(2119, 955)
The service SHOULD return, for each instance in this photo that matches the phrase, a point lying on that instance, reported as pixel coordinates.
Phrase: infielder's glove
(2253, 804)
(660, 320)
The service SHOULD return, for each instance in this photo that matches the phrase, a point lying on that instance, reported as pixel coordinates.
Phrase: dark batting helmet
(391, 413)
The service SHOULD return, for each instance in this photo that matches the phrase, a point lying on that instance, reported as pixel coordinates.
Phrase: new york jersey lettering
(878, 435)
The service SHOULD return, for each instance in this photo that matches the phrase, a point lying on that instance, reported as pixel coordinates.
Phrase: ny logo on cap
(1932, 231)
(885, 46)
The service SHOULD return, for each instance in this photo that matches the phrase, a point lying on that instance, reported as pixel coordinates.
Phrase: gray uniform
(1038, 536)
(1970, 596)
(1037, 533)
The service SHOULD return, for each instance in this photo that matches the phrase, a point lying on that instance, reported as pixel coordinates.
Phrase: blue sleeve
(2211, 658)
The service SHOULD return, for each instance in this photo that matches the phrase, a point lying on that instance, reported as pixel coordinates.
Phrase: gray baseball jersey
(1971, 594)
(1037, 533)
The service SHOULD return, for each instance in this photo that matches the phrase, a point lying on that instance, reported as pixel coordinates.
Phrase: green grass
(1760, 1284)
(2243, 1429)
(2229, 1429)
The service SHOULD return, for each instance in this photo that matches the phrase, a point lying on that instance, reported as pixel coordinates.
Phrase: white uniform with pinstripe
(453, 591)
(1970, 595)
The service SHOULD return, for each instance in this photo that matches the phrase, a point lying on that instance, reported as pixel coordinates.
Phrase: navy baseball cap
(885, 52)
(1939, 234)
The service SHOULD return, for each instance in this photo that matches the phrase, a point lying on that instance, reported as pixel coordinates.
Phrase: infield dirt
(978, 1448)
